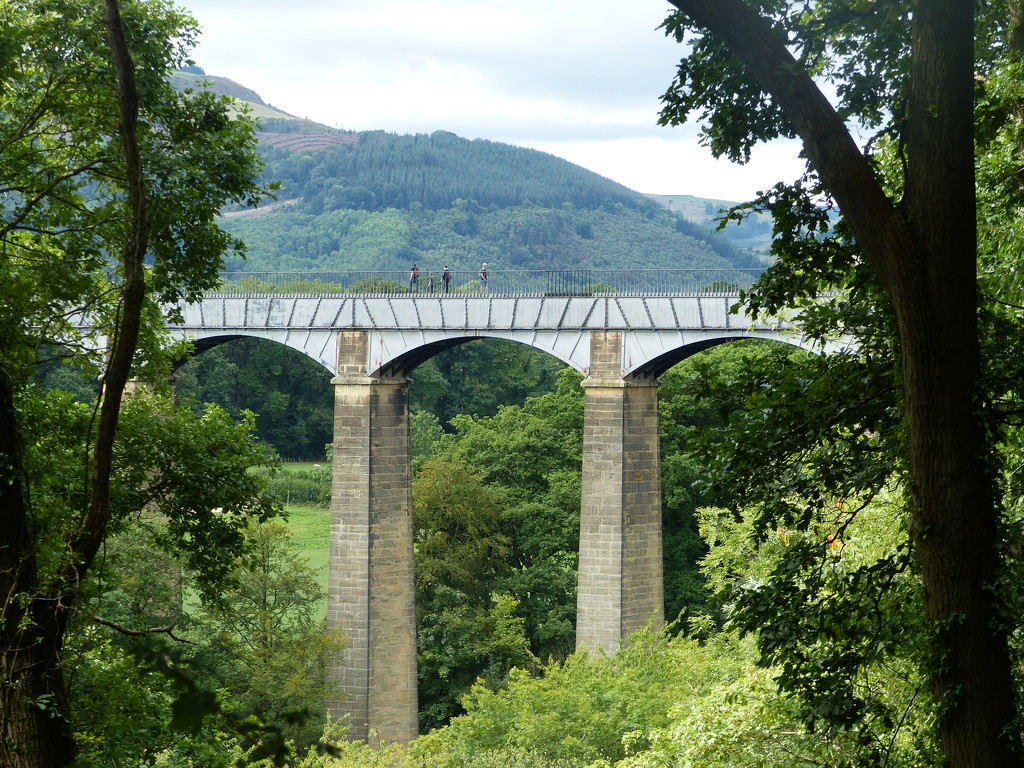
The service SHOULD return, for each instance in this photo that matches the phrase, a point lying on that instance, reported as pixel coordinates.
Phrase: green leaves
(75, 247)
(262, 640)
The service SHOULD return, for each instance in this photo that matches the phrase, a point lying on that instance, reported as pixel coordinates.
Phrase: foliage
(464, 630)
(293, 399)
(251, 679)
(687, 407)
(290, 393)
(475, 379)
(302, 488)
(124, 710)
(424, 431)
(384, 201)
(669, 699)
(586, 709)
(171, 457)
(112, 182)
(464, 643)
(516, 238)
(262, 642)
(895, 273)
(533, 453)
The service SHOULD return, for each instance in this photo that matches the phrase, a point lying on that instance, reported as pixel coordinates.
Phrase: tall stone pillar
(621, 584)
(371, 589)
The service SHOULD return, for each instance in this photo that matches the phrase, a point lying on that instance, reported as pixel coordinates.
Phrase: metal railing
(548, 282)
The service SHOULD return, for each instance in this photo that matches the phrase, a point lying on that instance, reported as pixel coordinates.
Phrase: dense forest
(379, 201)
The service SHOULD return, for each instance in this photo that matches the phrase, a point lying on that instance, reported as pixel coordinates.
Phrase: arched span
(204, 345)
(403, 331)
(386, 363)
(656, 367)
(321, 349)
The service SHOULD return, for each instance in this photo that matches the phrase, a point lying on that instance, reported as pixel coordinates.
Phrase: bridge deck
(406, 329)
(463, 312)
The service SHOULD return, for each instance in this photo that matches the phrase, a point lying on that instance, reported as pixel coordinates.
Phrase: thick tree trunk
(33, 731)
(934, 294)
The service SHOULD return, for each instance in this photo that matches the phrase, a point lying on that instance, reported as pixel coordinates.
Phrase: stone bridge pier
(371, 587)
(620, 572)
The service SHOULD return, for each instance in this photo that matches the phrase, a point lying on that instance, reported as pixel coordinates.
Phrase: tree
(466, 626)
(534, 453)
(264, 643)
(288, 390)
(589, 710)
(686, 408)
(112, 182)
(905, 74)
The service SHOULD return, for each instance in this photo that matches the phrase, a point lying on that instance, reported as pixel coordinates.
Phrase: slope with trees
(379, 201)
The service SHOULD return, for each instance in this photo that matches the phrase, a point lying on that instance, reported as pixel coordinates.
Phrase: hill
(753, 235)
(379, 201)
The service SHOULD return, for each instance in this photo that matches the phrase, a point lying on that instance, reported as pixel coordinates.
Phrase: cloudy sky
(581, 79)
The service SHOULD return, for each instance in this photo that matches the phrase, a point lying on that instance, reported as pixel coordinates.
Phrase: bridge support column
(621, 581)
(371, 589)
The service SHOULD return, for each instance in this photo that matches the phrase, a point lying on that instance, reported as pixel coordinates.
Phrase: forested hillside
(380, 201)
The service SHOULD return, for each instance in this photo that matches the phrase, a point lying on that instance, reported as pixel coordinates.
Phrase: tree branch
(832, 152)
(124, 338)
(168, 630)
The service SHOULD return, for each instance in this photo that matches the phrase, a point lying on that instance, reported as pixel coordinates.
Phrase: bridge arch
(412, 355)
(657, 366)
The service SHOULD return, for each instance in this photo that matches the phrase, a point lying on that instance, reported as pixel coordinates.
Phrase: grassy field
(311, 527)
(311, 533)
(300, 466)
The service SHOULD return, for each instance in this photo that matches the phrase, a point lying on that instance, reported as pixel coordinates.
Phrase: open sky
(581, 79)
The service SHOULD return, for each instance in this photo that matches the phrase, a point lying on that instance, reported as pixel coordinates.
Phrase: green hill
(752, 235)
(379, 201)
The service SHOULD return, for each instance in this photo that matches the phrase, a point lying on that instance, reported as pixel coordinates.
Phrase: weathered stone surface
(621, 581)
(371, 580)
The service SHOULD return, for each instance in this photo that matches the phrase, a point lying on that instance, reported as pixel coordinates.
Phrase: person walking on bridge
(414, 279)
(483, 277)
(446, 279)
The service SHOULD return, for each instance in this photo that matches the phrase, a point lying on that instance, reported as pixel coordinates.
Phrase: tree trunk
(33, 730)
(34, 723)
(934, 294)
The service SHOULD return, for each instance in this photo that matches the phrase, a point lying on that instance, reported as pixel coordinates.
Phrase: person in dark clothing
(414, 279)
(446, 279)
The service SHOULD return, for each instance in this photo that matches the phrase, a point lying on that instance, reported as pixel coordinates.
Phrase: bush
(582, 711)
(301, 488)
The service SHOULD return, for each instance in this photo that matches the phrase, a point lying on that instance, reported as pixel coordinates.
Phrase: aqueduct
(370, 343)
